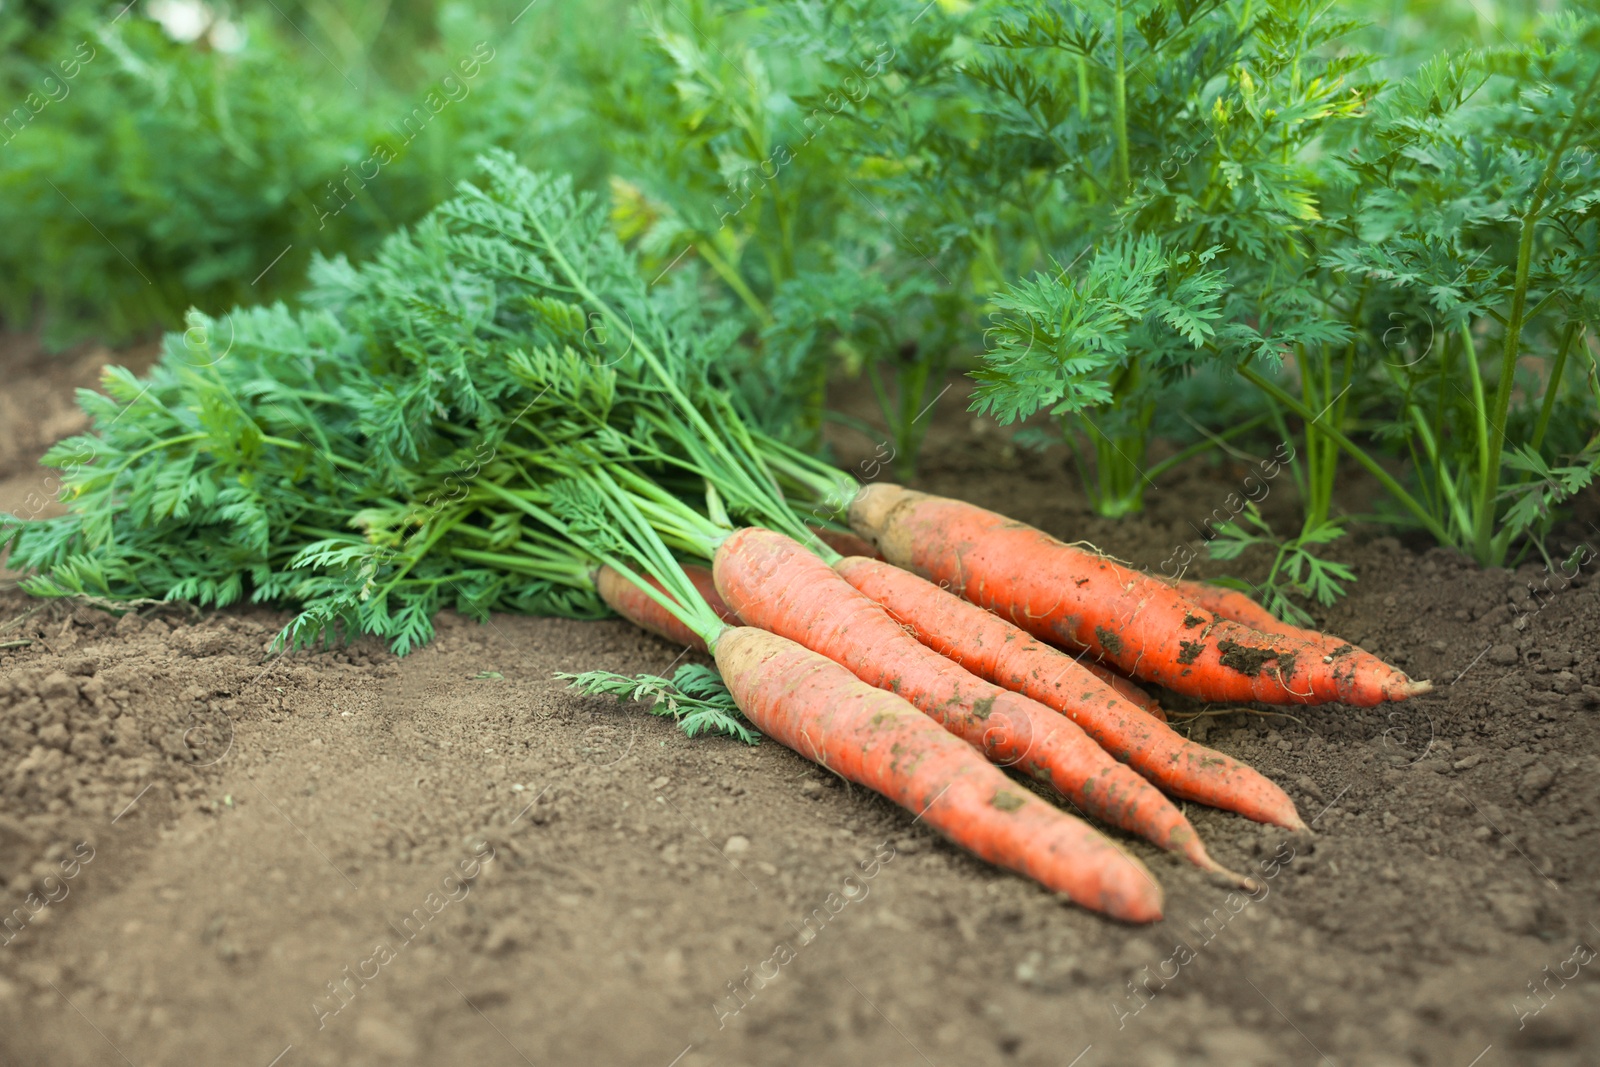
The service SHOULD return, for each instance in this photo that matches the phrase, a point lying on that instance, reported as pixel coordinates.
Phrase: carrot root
(876, 739)
(995, 649)
(1133, 622)
(1235, 606)
(774, 583)
(1126, 688)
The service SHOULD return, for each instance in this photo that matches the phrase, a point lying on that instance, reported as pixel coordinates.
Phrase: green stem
(1282, 426)
(1490, 489)
(1557, 369)
(412, 558)
(1119, 103)
(1070, 438)
(1446, 377)
(1479, 412)
(1405, 499)
(705, 437)
(1314, 445)
(1212, 440)
(301, 446)
(565, 574)
(821, 480)
(726, 272)
(181, 439)
(1447, 486)
(681, 598)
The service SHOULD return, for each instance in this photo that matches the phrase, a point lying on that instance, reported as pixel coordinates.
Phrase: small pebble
(1533, 784)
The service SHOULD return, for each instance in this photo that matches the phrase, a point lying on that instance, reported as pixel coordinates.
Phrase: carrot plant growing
(744, 139)
(1471, 232)
(1175, 180)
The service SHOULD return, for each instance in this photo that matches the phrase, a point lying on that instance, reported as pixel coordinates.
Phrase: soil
(209, 854)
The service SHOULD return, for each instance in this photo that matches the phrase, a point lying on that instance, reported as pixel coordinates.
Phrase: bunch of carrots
(856, 662)
(924, 656)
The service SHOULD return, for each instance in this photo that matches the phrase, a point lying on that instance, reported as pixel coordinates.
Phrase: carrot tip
(1197, 855)
(1233, 879)
(1416, 689)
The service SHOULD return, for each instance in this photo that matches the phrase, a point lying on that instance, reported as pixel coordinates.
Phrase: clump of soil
(347, 858)
(86, 736)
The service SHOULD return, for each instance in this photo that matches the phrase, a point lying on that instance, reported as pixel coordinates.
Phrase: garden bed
(287, 855)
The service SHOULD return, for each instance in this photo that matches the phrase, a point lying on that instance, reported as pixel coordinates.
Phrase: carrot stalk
(773, 582)
(992, 648)
(875, 739)
(1133, 622)
(635, 605)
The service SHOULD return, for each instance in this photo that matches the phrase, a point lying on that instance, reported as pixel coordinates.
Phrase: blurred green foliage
(1370, 226)
(142, 174)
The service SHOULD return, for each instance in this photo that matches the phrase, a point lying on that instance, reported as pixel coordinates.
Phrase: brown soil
(346, 858)
(38, 407)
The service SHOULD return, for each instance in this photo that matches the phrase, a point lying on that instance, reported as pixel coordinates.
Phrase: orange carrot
(1134, 622)
(1126, 688)
(877, 740)
(992, 648)
(775, 583)
(1231, 604)
(633, 604)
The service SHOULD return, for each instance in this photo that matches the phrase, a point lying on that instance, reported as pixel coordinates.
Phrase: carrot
(1231, 604)
(877, 740)
(635, 605)
(1134, 622)
(1126, 688)
(992, 648)
(773, 582)
(848, 544)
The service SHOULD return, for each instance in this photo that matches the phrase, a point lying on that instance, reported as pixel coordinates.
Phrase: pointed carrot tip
(1415, 689)
(1196, 854)
(1289, 820)
(1146, 912)
(1234, 879)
